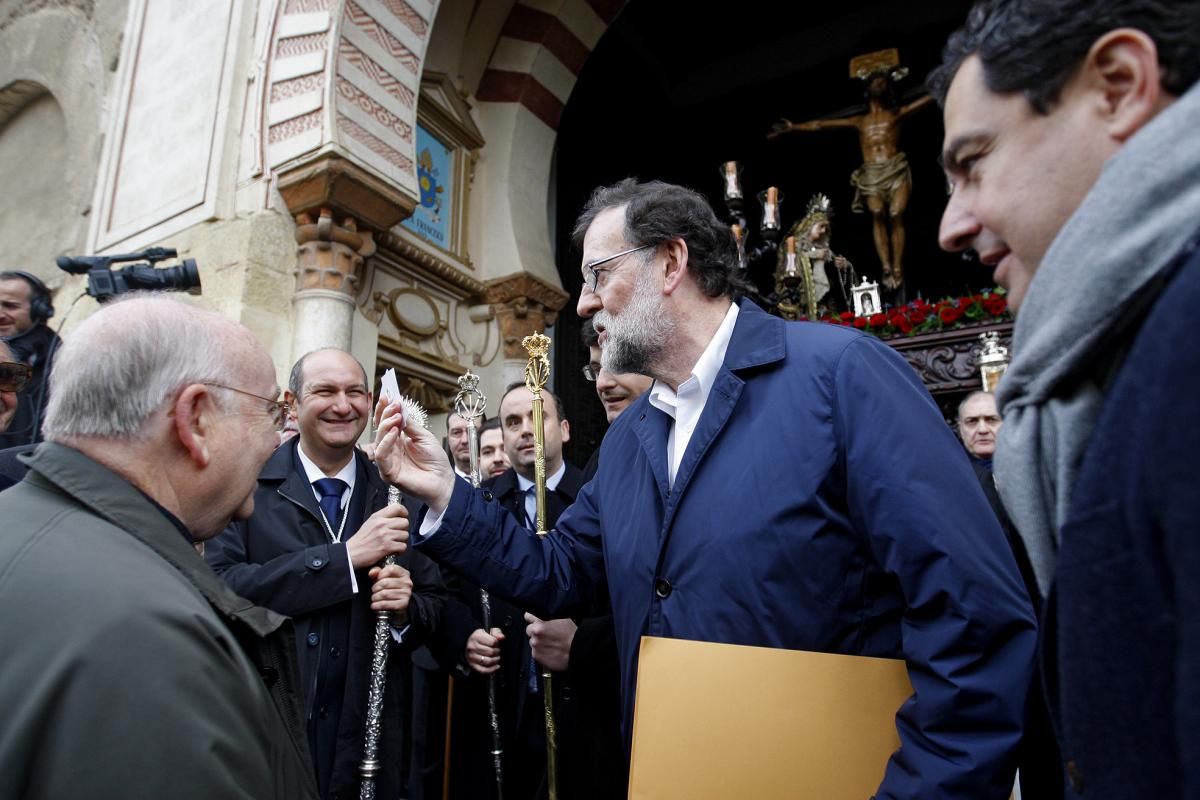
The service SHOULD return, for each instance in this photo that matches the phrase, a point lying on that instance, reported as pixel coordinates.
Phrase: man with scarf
(1072, 149)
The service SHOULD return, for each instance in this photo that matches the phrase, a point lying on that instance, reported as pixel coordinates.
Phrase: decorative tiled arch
(342, 81)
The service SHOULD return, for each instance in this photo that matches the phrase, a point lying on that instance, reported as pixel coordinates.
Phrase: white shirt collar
(524, 483)
(704, 373)
(315, 473)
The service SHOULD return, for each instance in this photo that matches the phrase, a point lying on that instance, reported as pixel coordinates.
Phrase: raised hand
(411, 458)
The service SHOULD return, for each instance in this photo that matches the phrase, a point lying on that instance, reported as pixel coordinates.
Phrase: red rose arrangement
(921, 316)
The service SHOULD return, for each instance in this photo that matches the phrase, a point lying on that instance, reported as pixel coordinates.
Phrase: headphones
(41, 308)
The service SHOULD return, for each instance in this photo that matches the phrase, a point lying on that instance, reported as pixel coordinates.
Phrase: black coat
(1038, 758)
(283, 559)
(592, 763)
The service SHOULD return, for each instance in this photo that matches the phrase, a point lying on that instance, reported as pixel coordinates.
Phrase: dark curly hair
(658, 212)
(1035, 46)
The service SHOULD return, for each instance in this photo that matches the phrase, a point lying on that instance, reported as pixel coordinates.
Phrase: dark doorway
(674, 88)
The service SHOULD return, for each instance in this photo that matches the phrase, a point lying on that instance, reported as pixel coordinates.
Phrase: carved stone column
(523, 304)
(328, 272)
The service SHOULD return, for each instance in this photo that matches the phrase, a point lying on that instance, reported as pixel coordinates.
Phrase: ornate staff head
(537, 369)
(469, 403)
(537, 372)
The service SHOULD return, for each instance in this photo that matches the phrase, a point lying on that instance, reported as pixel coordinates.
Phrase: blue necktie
(530, 519)
(331, 490)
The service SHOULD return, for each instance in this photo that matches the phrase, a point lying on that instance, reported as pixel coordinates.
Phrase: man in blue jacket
(1072, 148)
(782, 484)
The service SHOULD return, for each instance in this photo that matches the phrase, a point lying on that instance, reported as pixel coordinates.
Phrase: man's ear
(1122, 66)
(565, 427)
(195, 416)
(292, 400)
(677, 264)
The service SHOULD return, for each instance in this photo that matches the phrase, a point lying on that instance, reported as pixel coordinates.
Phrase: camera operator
(25, 308)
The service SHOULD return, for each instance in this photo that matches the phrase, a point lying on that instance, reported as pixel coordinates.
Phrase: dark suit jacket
(1038, 758)
(1121, 651)
(283, 559)
(592, 763)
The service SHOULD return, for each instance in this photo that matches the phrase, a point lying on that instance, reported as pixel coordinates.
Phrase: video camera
(105, 283)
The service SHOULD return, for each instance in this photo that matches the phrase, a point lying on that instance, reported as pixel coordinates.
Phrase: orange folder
(725, 721)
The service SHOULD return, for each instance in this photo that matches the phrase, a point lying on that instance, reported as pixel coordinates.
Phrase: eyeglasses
(279, 410)
(14, 376)
(591, 371)
(592, 277)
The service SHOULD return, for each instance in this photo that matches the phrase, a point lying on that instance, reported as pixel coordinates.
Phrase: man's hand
(550, 640)
(483, 650)
(391, 592)
(410, 457)
(384, 533)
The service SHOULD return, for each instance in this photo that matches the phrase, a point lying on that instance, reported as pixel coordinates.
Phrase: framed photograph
(866, 298)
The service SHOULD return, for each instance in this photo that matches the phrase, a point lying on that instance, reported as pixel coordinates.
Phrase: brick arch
(540, 54)
(533, 69)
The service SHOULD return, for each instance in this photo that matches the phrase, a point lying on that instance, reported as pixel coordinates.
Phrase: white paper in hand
(389, 388)
(409, 409)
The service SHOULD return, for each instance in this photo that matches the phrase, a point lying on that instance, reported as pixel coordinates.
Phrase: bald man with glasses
(311, 550)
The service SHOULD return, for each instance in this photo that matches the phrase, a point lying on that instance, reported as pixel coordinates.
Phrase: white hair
(129, 358)
(963, 403)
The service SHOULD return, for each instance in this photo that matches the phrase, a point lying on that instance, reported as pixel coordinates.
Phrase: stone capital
(331, 253)
(329, 181)
(523, 304)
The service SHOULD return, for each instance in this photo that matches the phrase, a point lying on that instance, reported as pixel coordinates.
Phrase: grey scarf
(1143, 209)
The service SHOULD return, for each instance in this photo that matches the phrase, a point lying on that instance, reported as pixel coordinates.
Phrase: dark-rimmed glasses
(591, 371)
(279, 410)
(14, 376)
(591, 276)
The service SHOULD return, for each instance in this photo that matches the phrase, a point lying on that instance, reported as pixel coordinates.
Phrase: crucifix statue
(884, 180)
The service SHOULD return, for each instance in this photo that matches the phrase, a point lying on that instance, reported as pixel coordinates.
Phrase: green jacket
(130, 670)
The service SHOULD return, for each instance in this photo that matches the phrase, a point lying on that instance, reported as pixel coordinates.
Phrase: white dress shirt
(685, 405)
(346, 475)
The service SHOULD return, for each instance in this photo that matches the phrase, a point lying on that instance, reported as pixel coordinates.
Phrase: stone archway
(51, 74)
